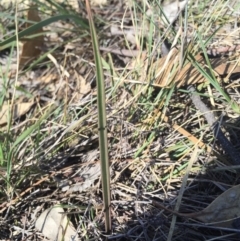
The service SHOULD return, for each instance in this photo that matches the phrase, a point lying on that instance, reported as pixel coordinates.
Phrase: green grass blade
(102, 124)
(28, 131)
(81, 23)
(23, 137)
(211, 77)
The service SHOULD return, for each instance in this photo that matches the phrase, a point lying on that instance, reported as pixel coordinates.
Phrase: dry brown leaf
(167, 70)
(32, 47)
(98, 2)
(85, 87)
(19, 109)
(54, 225)
(48, 78)
(224, 210)
(172, 9)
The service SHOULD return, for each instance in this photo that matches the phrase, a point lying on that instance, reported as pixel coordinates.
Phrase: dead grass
(58, 163)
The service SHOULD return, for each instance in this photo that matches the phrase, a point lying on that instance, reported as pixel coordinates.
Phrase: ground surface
(155, 162)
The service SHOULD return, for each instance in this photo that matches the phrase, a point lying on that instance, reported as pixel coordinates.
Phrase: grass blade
(102, 124)
(81, 23)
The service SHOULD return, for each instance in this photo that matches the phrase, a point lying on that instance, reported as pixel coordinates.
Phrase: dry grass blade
(185, 133)
(181, 192)
(167, 70)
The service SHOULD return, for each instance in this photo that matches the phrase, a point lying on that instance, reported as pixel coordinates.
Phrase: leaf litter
(138, 169)
(54, 225)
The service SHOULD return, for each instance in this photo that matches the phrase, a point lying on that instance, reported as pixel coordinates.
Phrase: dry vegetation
(49, 136)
